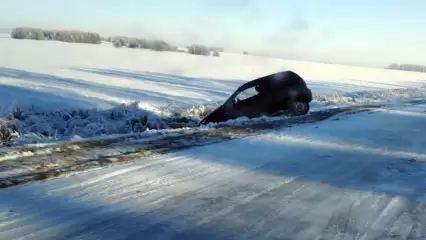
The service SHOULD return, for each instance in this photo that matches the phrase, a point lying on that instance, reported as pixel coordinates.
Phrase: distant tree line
(160, 45)
(407, 67)
(197, 49)
(130, 42)
(117, 41)
(56, 35)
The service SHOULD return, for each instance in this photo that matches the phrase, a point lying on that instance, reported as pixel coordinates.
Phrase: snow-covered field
(49, 79)
(101, 76)
(357, 176)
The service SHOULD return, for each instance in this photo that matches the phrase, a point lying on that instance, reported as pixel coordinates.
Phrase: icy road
(351, 177)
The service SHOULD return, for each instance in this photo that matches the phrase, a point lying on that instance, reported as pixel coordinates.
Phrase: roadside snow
(355, 176)
(53, 80)
(55, 125)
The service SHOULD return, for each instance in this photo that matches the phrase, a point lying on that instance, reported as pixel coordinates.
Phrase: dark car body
(271, 94)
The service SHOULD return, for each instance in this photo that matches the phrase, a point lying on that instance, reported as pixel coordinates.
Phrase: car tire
(298, 108)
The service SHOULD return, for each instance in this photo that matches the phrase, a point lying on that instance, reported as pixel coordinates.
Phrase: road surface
(359, 176)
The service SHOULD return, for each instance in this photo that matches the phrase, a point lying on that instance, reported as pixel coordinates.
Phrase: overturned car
(271, 95)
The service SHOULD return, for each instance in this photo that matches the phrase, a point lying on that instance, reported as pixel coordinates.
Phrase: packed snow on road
(351, 176)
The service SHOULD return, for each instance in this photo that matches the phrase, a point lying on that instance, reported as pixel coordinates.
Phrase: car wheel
(298, 108)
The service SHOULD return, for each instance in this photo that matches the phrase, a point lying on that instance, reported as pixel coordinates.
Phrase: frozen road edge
(60, 159)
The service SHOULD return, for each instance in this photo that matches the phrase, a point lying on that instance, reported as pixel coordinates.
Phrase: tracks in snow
(54, 160)
(210, 193)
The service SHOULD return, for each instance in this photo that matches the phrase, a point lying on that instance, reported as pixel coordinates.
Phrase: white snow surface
(353, 177)
(84, 75)
(57, 79)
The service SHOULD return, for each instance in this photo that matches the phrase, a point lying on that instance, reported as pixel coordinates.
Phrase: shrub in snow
(407, 67)
(77, 37)
(5, 134)
(160, 45)
(8, 130)
(120, 42)
(27, 33)
(134, 43)
(198, 50)
(31, 121)
(58, 35)
(18, 33)
(199, 111)
(156, 45)
(49, 35)
(117, 44)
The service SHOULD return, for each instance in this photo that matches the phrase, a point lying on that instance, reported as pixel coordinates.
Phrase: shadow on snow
(332, 161)
(337, 155)
(100, 95)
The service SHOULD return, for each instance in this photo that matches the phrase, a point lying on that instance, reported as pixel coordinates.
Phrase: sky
(360, 32)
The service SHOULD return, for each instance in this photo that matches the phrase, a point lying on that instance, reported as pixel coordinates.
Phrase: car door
(248, 103)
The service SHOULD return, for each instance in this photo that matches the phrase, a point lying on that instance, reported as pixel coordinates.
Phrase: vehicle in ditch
(279, 93)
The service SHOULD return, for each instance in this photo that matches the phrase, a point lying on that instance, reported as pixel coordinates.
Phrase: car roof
(259, 80)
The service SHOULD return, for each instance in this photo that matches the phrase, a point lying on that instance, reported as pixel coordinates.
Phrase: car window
(250, 92)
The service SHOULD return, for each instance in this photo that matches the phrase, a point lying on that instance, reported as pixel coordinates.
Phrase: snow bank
(35, 125)
(32, 125)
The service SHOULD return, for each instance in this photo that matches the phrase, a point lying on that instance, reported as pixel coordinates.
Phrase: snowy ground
(52, 81)
(82, 75)
(353, 177)
(20, 165)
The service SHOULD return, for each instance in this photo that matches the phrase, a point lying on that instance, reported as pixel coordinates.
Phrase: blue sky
(367, 32)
